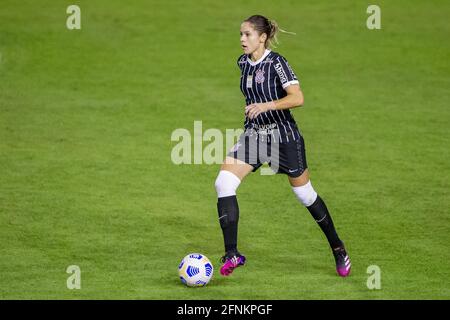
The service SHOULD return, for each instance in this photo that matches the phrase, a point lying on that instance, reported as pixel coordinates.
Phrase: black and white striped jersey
(264, 81)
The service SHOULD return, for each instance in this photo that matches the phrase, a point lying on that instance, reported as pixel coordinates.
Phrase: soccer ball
(195, 270)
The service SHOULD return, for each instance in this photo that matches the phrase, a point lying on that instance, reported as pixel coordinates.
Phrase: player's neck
(257, 54)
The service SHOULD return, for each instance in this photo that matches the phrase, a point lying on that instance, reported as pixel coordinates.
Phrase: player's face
(250, 39)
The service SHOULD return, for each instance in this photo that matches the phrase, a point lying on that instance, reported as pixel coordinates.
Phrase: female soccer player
(270, 88)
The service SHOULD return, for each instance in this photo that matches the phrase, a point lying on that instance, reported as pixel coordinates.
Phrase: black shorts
(255, 149)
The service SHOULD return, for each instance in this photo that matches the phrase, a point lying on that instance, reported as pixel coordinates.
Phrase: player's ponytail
(269, 27)
(272, 39)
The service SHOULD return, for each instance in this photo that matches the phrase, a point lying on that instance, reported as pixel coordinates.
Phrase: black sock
(320, 213)
(228, 210)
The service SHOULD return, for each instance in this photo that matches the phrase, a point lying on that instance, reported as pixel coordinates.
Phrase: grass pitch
(86, 118)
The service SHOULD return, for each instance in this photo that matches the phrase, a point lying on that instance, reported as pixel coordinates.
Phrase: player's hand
(253, 110)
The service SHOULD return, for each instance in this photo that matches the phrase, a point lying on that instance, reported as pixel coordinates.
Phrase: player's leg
(239, 168)
(293, 163)
(316, 206)
(306, 194)
(231, 173)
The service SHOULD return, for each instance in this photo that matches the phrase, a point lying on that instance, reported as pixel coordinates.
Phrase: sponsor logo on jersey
(280, 71)
(266, 129)
(265, 126)
(268, 60)
(249, 81)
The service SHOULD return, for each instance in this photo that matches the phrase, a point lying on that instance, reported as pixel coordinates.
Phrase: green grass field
(86, 176)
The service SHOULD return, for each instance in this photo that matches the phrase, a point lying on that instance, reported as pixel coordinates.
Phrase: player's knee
(226, 184)
(305, 194)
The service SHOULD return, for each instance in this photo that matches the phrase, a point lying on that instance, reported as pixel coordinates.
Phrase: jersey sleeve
(285, 73)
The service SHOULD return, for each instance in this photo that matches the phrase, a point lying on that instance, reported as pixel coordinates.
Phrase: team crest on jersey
(259, 76)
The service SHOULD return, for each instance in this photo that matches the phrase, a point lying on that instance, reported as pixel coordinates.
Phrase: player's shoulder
(277, 56)
(242, 59)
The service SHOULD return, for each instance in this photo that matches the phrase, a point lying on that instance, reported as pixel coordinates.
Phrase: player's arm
(294, 98)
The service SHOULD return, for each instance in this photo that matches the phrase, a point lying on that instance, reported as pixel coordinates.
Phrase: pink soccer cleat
(231, 262)
(343, 263)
